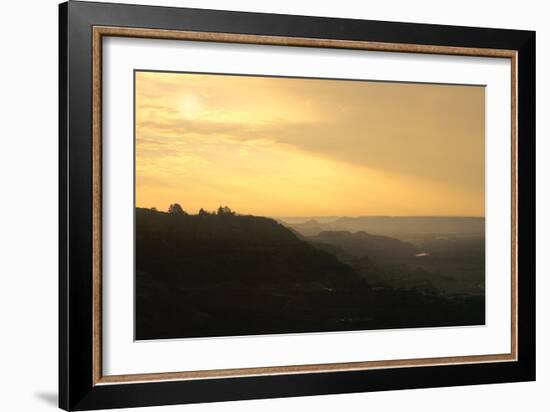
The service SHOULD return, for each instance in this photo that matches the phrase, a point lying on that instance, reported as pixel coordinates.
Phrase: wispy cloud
(247, 128)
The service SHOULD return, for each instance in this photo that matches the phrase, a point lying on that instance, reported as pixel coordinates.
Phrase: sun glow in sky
(309, 147)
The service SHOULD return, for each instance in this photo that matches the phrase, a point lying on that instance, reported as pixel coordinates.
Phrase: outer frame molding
(81, 385)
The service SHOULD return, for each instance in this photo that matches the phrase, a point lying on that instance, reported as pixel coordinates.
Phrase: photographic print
(271, 205)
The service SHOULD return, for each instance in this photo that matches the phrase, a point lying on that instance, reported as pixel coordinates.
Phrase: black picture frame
(77, 390)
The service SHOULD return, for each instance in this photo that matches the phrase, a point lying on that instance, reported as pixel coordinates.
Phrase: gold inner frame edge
(101, 31)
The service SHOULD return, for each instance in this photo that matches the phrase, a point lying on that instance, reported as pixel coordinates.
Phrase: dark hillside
(447, 264)
(225, 275)
(210, 275)
(381, 249)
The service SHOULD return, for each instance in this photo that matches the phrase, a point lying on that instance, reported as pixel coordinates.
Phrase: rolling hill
(225, 275)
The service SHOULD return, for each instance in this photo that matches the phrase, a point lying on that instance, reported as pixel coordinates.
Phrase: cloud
(434, 133)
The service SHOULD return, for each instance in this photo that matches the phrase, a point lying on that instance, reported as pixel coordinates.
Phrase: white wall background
(28, 206)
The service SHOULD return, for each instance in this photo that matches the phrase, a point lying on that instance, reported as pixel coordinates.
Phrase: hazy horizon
(165, 209)
(287, 147)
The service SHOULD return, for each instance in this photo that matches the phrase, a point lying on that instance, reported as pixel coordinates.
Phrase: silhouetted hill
(449, 264)
(205, 268)
(247, 241)
(381, 249)
(403, 225)
(226, 275)
(310, 227)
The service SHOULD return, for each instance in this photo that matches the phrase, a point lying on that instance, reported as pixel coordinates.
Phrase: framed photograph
(256, 205)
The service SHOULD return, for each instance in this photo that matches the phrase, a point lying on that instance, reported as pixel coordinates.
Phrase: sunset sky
(302, 147)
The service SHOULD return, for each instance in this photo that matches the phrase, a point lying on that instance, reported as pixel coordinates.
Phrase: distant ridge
(382, 249)
(395, 225)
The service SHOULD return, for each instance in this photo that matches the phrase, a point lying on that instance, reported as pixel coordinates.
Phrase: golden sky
(307, 147)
